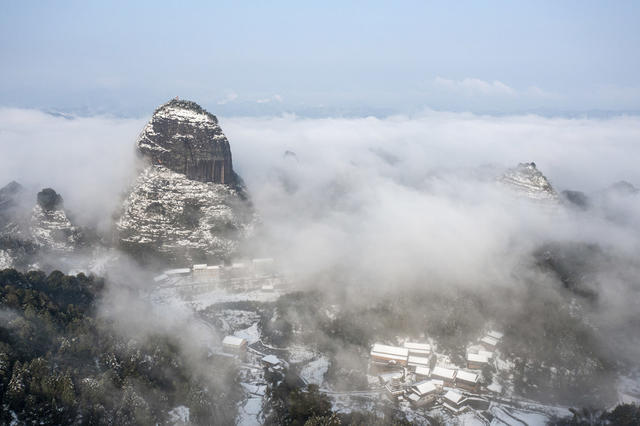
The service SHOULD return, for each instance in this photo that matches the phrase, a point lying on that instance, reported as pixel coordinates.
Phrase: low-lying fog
(392, 202)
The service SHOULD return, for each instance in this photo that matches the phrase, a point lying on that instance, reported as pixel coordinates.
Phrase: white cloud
(274, 98)
(475, 86)
(229, 97)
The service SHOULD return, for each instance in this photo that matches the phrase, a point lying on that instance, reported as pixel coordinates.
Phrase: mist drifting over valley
(320, 214)
(406, 213)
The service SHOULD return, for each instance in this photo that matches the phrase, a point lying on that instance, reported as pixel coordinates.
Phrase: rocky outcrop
(187, 204)
(50, 227)
(527, 180)
(27, 234)
(186, 139)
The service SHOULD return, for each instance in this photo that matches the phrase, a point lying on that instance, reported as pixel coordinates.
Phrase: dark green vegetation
(62, 363)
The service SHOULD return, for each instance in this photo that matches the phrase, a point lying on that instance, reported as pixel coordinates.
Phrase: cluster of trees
(62, 363)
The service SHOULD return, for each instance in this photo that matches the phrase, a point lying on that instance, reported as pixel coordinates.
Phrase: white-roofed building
(389, 355)
(447, 375)
(489, 342)
(476, 361)
(422, 371)
(495, 334)
(419, 349)
(487, 354)
(453, 401)
(178, 272)
(272, 361)
(393, 377)
(161, 277)
(234, 343)
(424, 393)
(467, 380)
(263, 267)
(417, 361)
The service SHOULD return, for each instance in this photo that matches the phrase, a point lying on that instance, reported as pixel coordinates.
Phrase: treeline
(61, 363)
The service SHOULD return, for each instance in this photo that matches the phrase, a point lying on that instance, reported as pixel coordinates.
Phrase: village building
(238, 270)
(422, 372)
(272, 361)
(438, 383)
(484, 353)
(394, 391)
(199, 271)
(476, 361)
(453, 401)
(392, 378)
(489, 343)
(234, 344)
(414, 362)
(495, 334)
(180, 272)
(389, 355)
(468, 381)
(160, 278)
(264, 267)
(447, 375)
(422, 393)
(418, 349)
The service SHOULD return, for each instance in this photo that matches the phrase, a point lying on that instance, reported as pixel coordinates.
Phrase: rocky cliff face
(50, 227)
(186, 139)
(187, 204)
(26, 237)
(527, 180)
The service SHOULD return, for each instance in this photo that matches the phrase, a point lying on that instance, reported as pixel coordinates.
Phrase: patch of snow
(179, 415)
(313, 372)
(250, 334)
(249, 412)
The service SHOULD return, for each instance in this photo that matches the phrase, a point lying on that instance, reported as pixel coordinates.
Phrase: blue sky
(322, 58)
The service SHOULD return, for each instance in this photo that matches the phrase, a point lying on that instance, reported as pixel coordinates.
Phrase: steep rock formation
(187, 204)
(29, 234)
(527, 180)
(186, 139)
(50, 227)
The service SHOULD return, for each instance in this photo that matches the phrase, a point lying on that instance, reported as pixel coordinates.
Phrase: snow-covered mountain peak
(187, 139)
(528, 180)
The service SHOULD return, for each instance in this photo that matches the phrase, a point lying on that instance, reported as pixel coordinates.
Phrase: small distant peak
(49, 199)
(526, 178)
(624, 187)
(11, 188)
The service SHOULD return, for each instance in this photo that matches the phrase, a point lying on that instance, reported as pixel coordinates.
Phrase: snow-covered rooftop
(481, 359)
(178, 271)
(413, 346)
(453, 396)
(423, 388)
(418, 360)
(271, 359)
(495, 334)
(233, 341)
(467, 376)
(423, 371)
(446, 373)
(391, 350)
(491, 341)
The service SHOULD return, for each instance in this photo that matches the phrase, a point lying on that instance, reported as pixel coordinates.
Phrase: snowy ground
(313, 372)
